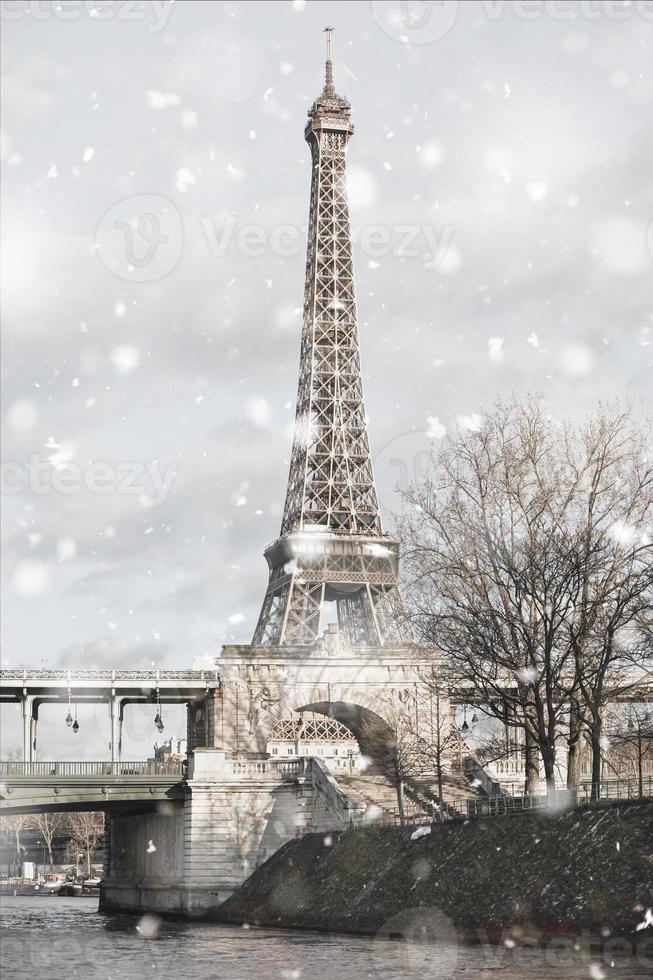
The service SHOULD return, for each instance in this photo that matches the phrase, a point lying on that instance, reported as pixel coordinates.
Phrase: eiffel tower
(332, 552)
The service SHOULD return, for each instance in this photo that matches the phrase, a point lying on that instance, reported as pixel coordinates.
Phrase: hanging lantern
(75, 726)
(474, 719)
(158, 720)
(69, 719)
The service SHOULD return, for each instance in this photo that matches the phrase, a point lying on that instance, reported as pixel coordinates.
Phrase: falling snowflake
(434, 428)
(125, 358)
(495, 349)
(185, 179)
(148, 927)
(161, 100)
(189, 119)
(31, 578)
(420, 832)
(576, 360)
(471, 423)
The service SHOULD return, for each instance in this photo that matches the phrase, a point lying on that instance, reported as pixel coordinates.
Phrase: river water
(58, 938)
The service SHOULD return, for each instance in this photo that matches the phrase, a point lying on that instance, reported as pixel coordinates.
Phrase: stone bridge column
(30, 715)
(116, 709)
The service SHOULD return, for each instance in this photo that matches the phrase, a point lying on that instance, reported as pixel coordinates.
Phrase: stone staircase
(456, 788)
(375, 796)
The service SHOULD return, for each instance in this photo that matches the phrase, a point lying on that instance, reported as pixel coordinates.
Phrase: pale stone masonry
(188, 858)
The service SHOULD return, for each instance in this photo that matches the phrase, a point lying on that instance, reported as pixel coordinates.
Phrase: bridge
(38, 787)
(32, 689)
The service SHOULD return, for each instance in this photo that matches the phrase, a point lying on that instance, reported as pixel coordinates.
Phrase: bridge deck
(27, 787)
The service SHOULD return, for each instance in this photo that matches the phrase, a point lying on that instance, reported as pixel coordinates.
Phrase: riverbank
(536, 875)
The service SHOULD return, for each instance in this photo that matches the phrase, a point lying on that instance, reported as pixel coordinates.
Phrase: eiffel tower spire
(332, 547)
(328, 72)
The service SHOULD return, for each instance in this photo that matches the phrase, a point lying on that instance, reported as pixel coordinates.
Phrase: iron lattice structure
(332, 546)
(317, 728)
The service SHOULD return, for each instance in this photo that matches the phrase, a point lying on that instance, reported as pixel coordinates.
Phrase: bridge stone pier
(240, 804)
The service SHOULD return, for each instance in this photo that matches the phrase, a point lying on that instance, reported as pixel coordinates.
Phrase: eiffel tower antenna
(328, 80)
(332, 554)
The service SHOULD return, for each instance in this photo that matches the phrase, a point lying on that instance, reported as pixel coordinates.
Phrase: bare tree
(488, 583)
(444, 741)
(629, 730)
(49, 824)
(526, 557)
(16, 824)
(86, 831)
(12, 752)
(609, 631)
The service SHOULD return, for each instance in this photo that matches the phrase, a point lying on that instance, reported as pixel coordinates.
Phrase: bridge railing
(60, 674)
(150, 767)
(273, 768)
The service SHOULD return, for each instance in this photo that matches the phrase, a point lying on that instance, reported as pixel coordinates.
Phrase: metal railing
(617, 788)
(151, 767)
(473, 809)
(503, 805)
(59, 674)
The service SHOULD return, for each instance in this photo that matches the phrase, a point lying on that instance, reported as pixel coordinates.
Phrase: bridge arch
(370, 716)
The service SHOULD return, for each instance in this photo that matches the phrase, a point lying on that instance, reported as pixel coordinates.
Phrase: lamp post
(637, 727)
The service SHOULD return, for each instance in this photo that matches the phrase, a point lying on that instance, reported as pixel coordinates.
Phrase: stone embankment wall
(587, 869)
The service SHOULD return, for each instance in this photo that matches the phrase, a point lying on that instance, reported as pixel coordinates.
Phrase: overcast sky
(156, 187)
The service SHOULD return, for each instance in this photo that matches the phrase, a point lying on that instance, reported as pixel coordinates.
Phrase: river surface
(59, 938)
